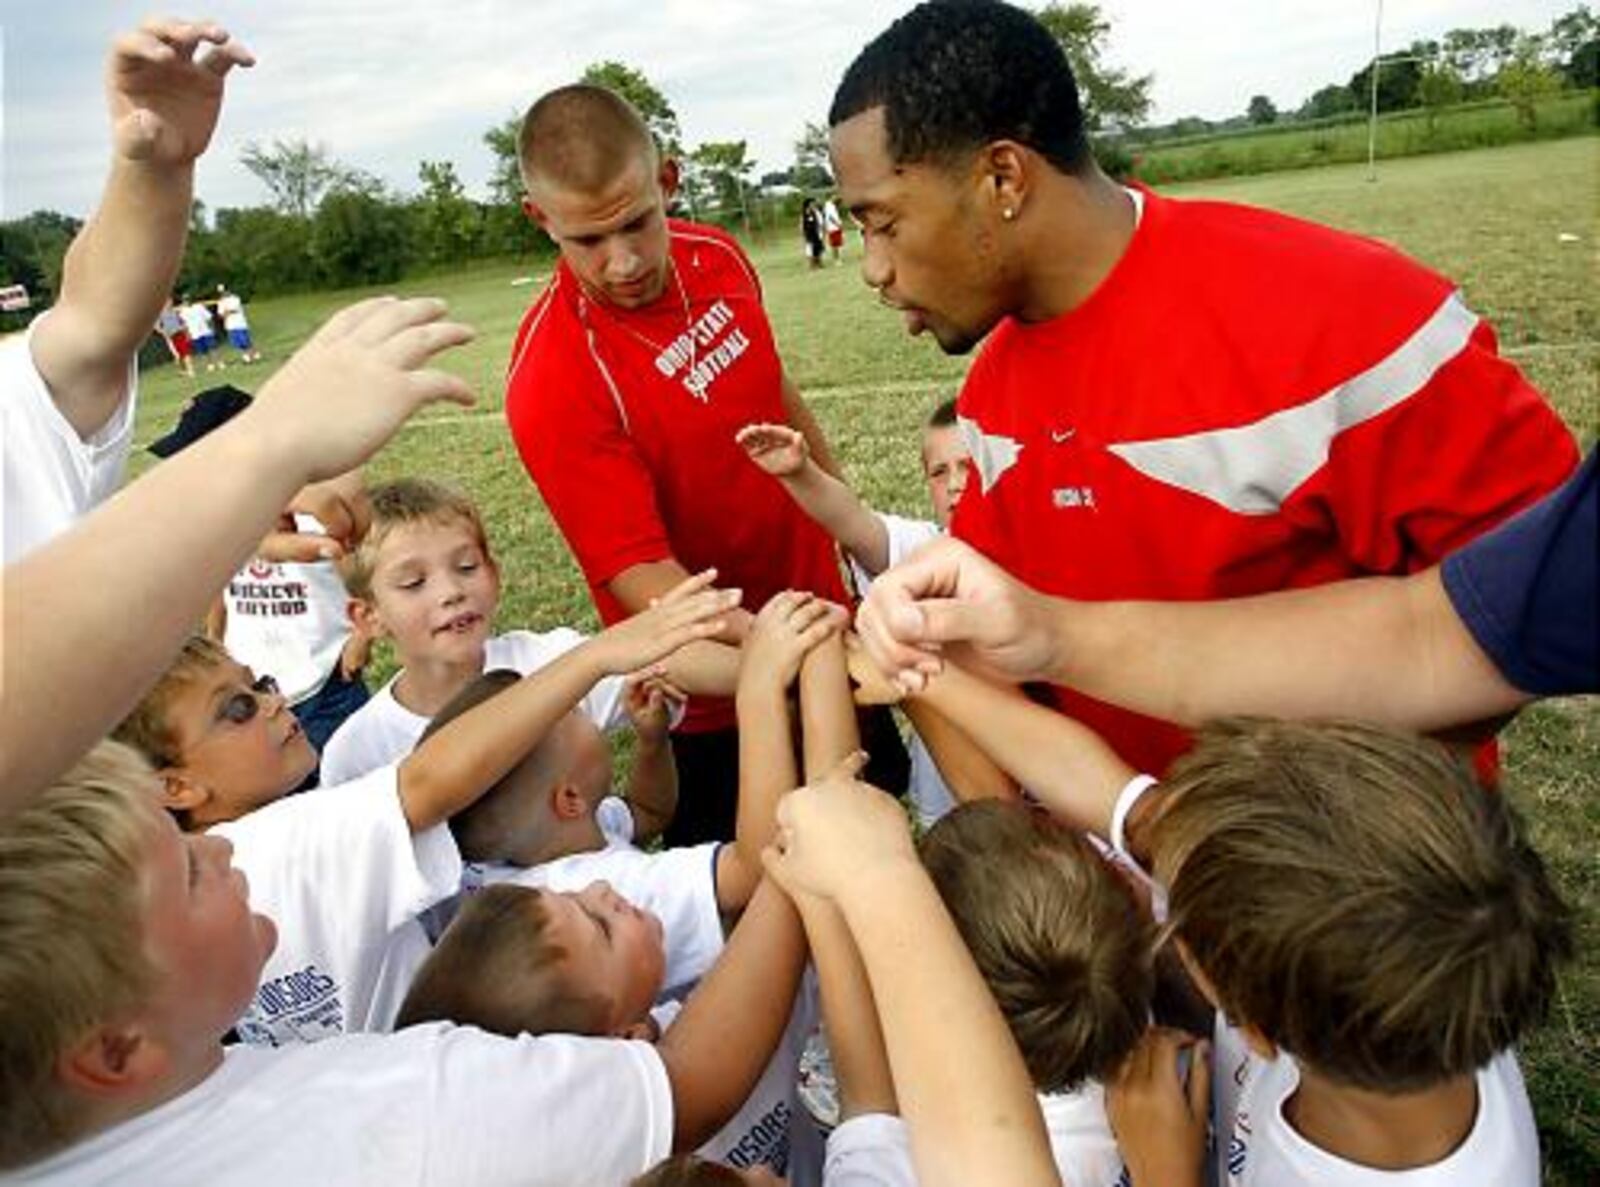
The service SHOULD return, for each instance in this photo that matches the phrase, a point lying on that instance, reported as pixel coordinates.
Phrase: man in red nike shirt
(1176, 400)
(632, 372)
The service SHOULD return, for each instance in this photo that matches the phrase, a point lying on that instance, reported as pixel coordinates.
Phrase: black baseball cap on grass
(210, 409)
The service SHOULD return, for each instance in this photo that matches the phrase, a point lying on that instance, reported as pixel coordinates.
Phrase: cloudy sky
(386, 83)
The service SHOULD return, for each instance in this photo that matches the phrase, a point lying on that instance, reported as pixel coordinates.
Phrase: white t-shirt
(288, 620)
(384, 731)
(433, 1105)
(1081, 1140)
(1257, 1147)
(830, 216)
(930, 794)
(49, 475)
(338, 874)
(231, 309)
(196, 319)
(872, 1150)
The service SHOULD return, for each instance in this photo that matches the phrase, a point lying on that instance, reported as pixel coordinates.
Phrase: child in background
(283, 619)
(343, 872)
(231, 310)
(874, 541)
(557, 948)
(425, 579)
(1066, 948)
(202, 332)
(1315, 873)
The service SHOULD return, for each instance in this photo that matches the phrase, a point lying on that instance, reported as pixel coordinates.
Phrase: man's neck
(426, 687)
(1081, 229)
(1400, 1131)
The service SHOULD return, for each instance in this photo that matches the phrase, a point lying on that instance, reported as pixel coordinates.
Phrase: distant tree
(1112, 99)
(505, 179)
(646, 98)
(506, 229)
(297, 173)
(1574, 43)
(1327, 101)
(446, 223)
(1261, 110)
(811, 161)
(1525, 80)
(725, 167)
(357, 237)
(1438, 87)
(1398, 74)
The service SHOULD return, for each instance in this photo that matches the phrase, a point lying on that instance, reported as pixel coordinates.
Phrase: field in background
(1495, 221)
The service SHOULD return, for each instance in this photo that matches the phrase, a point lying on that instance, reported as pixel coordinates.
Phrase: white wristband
(1130, 795)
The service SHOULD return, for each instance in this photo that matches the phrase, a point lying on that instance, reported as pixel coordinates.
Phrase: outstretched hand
(948, 599)
(343, 394)
(778, 449)
(833, 830)
(164, 94)
(693, 609)
(783, 634)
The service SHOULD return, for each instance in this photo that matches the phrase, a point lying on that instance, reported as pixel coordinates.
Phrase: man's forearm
(117, 275)
(637, 585)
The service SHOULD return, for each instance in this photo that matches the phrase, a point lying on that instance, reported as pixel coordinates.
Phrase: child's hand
(345, 392)
(1160, 1124)
(647, 699)
(832, 830)
(785, 631)
(691, 610)
(778, 449)
(868, 682)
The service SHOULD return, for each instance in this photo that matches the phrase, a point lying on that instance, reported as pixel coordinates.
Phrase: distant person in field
(811, 231)
(67, 385)
(230, 308)
(833, 227)
(170, 326)
(642, 357)
(202, 332)
(1176, 399)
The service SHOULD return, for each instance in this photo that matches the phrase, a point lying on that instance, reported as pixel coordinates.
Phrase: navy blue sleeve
(1528, 590)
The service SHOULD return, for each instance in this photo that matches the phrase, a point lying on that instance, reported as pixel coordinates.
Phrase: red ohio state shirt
(625, 420)
(1248, 402)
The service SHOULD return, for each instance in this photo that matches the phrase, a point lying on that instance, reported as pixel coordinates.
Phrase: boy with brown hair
(1372, 926)
(113, 1070)
(1067, 952)
(557, 948)
(344, 870)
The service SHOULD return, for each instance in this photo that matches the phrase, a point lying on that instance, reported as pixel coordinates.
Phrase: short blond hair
(1358, 898)
(1064, 947)
(581, 137)
(148, 729)
(72, 952)
(397, 504)
(496, 967)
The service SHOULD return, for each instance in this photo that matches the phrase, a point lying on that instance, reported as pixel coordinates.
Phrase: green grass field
(1489, 219)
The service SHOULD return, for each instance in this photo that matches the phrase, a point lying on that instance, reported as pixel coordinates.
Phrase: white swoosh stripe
(1252, 469)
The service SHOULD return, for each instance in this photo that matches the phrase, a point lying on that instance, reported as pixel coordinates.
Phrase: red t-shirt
(626, 420)
(1248, 402)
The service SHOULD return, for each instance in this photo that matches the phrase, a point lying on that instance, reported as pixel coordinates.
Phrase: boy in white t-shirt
(1316, 872)
(556, 947)
(230, 308)
(342, 872)
(424, 578)
(154, 950)
(874, 541)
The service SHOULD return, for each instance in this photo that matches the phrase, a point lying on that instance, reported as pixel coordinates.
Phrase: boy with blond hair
(112, 1069)
(343, 873)
(425, 578)
(557, 948)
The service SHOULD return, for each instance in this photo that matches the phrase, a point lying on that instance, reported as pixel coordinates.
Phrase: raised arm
(653, 783)
(783, 452)
(707, 668)
(329, 408)
(947, 1043)
(164, 87)
(799, 415)
(472, 753)
(828, 728)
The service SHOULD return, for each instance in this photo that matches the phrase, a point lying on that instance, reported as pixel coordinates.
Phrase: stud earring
(1008, 214)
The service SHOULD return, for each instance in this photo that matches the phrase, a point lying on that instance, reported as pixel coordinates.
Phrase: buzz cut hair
(954, 75)
(581, 138)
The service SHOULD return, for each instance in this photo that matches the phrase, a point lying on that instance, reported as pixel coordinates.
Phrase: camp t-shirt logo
(267, 593)
(703, 352)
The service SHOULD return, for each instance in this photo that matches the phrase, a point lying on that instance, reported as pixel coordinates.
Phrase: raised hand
(784, 632)
(778, 449)
(1159, 1119)
(692, 609)
(647, 699)
(832, 830)
(949, 599)
(164, 87)
(343, 394)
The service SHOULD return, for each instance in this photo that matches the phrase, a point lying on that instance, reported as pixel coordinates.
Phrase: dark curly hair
(952, 75)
